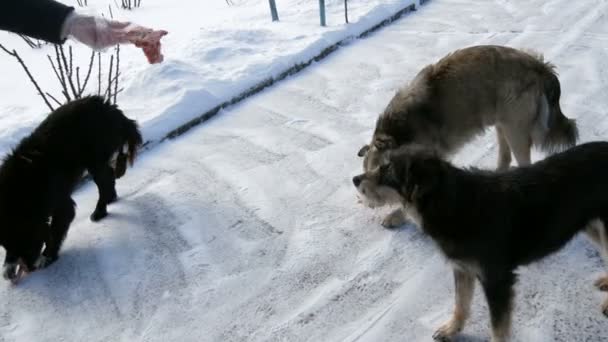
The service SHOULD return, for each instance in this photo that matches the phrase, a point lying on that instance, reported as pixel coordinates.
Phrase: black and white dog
(38, 177)
(489, 223)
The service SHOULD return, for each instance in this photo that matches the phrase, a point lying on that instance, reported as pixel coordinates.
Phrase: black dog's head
(21, 235)
(407, 175)
(23, 246)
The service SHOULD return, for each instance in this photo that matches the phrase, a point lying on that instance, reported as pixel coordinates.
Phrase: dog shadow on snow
(145, 234)
(85, 269)
(464, 337)
(75, 277)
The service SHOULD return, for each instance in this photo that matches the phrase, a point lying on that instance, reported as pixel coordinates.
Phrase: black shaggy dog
(38, 177)
(489, 223)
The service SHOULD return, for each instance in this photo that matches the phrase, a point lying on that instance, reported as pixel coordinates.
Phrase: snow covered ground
(247, 227)
(214, 52)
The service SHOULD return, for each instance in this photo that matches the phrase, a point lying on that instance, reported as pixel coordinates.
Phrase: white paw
(10, 271)
(447, 331)
(395, 219)
(13, 272)
(602, 284)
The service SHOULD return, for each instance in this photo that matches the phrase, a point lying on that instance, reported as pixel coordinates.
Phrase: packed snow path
(247, 228)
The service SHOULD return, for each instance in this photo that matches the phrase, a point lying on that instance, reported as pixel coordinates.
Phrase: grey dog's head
(404, 176)
(376, 153)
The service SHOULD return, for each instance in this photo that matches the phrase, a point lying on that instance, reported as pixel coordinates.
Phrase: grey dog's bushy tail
(562, 132)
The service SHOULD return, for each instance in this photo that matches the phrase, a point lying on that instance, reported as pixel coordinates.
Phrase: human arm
(41, 19)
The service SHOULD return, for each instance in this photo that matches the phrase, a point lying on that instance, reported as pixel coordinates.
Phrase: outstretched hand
(100, 33)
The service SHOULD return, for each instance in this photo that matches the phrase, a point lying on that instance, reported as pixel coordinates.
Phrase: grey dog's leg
(504, 151)
(464, 288)
(520, 143)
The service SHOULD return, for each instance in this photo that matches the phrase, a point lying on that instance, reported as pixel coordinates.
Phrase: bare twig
(68, 71)
(27, 71)
(117, 72)
(78, 80)
(71, 69)
(53, 98)
(86, 79)
(55, 70)
(62, 74)
(99, 73)
(108, 92)
(33, 43)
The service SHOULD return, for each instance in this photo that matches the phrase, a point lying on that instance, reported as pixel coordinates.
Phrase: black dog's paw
(97, 215)
(44, 261)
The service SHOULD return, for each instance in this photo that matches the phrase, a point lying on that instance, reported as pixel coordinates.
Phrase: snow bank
(215, 54)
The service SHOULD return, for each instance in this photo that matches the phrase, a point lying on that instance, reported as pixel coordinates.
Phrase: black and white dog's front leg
(499, 294)
(464, 287)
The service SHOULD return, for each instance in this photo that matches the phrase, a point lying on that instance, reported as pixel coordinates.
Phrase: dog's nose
(357, 180)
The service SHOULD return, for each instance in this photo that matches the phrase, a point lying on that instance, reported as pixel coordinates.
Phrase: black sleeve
(41, 19)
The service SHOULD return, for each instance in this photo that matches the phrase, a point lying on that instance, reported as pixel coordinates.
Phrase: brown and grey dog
(489, 223)
(452, 101)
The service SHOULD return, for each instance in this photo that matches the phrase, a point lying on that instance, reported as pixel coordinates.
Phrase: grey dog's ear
(384, 142)
(363, 151)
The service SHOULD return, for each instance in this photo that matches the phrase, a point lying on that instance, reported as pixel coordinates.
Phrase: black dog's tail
(133, 141)
(560, 132)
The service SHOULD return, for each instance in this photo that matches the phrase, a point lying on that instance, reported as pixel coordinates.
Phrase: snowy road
(247, 227)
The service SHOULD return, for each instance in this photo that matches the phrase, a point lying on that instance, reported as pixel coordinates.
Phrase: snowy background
(246, 228)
